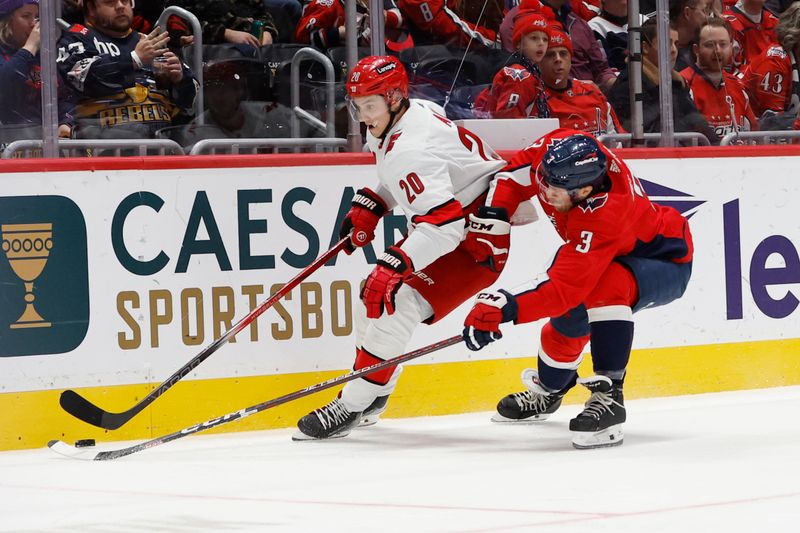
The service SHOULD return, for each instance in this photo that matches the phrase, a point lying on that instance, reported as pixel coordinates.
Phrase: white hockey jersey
(432, 169)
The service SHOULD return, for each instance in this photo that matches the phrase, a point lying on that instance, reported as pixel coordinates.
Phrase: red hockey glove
(384, 281)
(489, 237)
(362, 219)
(482, 325)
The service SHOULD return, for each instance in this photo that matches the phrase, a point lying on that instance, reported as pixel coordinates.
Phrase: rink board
(150, 259)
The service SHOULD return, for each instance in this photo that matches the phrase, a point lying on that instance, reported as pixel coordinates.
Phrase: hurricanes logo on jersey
(517, 74)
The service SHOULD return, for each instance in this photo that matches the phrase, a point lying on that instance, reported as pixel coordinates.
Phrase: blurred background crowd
(124, 68)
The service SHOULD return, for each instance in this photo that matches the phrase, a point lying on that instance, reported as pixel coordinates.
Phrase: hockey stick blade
(65, 449)
(82, 409)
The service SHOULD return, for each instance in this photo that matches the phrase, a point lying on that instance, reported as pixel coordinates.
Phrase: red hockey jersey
(443, 25)
(726, 107)
(582, 106)
(621, 221)
(514, 94)
(750, 38)
(771, 81)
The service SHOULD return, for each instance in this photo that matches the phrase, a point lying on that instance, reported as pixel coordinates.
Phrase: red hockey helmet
(377, 75)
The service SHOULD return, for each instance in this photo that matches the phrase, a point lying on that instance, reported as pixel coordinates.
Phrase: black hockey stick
(63, 448)
(81, 408)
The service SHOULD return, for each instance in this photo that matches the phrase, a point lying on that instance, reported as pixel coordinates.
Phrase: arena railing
(210, 146)
(90, 146)
(329, 127)
(197, 50)
(612, 139)
(761, 137)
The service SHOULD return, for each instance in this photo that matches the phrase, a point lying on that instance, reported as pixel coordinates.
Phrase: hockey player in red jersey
(621, 254)
(517, 90)
(771, 79)
(718, 94)
(575, 103)
(438, 174)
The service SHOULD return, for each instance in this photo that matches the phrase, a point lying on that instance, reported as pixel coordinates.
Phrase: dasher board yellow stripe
(30, 419)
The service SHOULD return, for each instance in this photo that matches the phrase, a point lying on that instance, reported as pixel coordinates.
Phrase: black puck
(84, 443)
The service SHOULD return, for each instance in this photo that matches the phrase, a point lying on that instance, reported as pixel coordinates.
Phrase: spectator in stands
(242, 22)
(686, 16)
(323, 23)
(231, 115)
(72, 11)
(771, 79)
(292, 8)
(753, 30)
(576, 104)
(128, 84)
(685, 115)
(434, 21)
(718, 94)
(20, 71)
(610, 29)
(589, 62)
(517, 90)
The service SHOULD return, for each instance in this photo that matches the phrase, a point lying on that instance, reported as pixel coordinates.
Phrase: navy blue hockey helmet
(574, 162)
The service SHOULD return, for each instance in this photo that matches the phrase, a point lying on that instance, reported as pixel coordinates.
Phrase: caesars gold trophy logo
(44, 275)
(27, 247)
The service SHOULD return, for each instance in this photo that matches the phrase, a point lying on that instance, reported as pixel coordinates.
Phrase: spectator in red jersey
(685, 115)
(576, 104)
(686, 16)
(586, 9)
(753, 28)
(773, 79)
(434, 21)
(718, 94)
(323, 26)
(517, 90)
(589, 61)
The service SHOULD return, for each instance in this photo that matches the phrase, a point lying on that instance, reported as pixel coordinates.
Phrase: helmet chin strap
(404, 104)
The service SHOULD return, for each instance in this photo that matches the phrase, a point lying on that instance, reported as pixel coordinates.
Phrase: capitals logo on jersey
(593, 203)
(517, 74)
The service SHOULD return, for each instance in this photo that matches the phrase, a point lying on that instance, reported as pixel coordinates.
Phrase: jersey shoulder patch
(776, 51)
(516, 74)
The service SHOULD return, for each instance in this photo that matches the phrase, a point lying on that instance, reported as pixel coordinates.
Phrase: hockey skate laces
(332, 414)
(598, 403)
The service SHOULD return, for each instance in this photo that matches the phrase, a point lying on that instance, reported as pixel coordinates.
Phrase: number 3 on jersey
(586, 242)
(412, 186)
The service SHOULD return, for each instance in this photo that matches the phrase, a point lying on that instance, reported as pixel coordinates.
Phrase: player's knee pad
(559, 350)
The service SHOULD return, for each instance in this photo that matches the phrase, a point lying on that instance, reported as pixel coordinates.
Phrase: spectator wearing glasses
(685, 115)
(128, 84)
(20, 70)
(718, 94)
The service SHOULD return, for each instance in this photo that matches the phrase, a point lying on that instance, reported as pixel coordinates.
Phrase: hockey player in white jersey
(438, 174)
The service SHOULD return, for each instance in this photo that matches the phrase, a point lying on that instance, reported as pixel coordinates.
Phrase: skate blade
(369, 420)
(585, 440)
(497, 418)
(299, 436)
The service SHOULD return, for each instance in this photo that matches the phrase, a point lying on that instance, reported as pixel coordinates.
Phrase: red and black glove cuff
(396, 259)
(367, 199)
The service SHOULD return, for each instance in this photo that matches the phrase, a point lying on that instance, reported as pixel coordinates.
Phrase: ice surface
(725, 462)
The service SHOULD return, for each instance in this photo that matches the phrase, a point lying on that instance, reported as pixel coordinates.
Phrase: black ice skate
(372, 413)
(533, 405)
(599, 425)
(332, 421)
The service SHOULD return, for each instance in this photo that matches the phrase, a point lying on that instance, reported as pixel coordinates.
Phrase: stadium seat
(338, 55)
(228, 51)
(462, 101)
